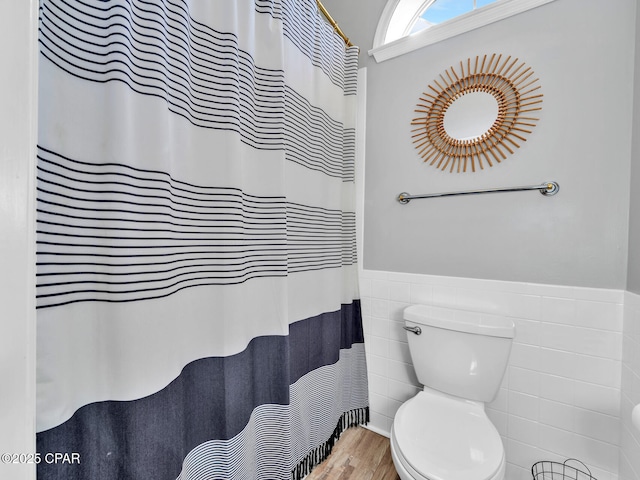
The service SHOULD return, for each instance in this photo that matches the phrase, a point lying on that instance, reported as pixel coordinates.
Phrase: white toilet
(443, 433)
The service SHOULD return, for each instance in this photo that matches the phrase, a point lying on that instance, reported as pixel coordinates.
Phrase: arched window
(436, 12)
(406, 25)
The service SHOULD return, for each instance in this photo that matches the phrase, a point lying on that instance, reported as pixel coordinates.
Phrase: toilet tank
(459, 352)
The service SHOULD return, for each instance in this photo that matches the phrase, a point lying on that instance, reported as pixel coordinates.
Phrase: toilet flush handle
(416, 330)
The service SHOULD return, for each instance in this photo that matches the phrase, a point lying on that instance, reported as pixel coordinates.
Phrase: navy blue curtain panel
(198, 306)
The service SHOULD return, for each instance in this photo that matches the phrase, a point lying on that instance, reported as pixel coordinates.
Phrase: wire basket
(546, 470)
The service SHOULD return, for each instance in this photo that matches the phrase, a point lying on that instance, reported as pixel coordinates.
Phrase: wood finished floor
(360, 454)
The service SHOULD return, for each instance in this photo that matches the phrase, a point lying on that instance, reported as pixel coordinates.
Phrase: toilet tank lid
(461, 320)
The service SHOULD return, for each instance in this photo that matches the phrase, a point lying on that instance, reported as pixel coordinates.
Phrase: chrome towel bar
(549, 188)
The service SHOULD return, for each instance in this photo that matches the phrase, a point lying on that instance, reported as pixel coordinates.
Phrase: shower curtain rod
(334, 24)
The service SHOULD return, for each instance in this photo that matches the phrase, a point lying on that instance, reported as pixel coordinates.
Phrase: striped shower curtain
(198, 312)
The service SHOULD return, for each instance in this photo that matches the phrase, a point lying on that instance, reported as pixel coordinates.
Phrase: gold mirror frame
(513, 89)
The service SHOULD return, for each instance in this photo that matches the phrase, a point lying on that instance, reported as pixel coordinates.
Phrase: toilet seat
(438, 437)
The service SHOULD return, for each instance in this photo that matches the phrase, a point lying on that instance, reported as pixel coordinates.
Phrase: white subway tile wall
(630, 437)
(561, 395)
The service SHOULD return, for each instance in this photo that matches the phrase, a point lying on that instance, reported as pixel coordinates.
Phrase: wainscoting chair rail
(548, 189)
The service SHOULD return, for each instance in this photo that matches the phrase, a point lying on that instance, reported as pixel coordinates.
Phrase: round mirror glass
(471, 115)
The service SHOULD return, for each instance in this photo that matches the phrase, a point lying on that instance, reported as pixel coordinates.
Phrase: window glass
(440, 11)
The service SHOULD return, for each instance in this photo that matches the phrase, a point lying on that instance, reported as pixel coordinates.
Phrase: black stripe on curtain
(202, 75)
(113, 233)
(212, 398)
(315, 38)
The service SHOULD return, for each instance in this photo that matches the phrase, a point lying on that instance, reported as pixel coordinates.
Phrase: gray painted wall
(633, 278)
(583, 53)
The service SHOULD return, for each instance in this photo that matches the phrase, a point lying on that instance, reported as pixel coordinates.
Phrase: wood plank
(360, 454)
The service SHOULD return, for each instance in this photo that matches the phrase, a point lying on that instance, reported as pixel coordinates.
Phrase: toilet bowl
(443, 433)
(436, 437)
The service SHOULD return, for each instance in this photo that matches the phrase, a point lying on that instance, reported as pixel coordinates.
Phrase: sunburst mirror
(476, 115)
